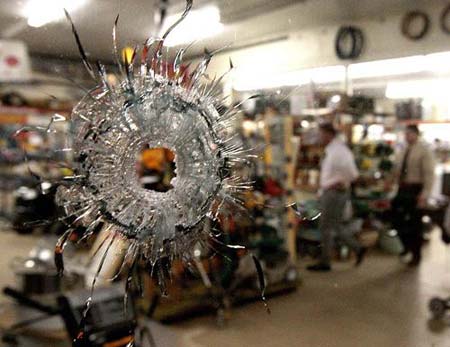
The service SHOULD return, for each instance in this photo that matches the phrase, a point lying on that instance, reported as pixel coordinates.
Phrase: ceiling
(246, 22)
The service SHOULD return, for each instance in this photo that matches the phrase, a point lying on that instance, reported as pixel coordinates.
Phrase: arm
(353, 169)
(428, 166)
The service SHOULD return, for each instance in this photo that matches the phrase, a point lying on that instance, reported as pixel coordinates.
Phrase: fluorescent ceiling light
(388, 67)
(42, 12)
(199, 24)
(405, 90)
(420, 89)
(436, 62)
(432, 63)
(262, 80)
(327, 74)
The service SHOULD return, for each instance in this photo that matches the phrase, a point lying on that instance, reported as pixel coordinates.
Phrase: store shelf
(307, 188)
(420, 121)
(25, 110)
(307, 166)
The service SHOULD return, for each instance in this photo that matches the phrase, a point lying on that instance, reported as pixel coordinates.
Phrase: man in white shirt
(338, 171)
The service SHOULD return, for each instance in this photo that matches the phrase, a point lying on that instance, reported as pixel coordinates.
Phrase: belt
(338, 190)
(411, 185)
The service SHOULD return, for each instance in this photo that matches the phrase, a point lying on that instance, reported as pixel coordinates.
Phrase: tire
(443, 20)
(409, 18)
(357, 42)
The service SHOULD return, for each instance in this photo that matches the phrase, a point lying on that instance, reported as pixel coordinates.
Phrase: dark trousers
(407, 218)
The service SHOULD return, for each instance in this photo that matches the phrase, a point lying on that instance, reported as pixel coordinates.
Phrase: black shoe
(415, 262)
(360, 256)
(320, 267)
(404, 253)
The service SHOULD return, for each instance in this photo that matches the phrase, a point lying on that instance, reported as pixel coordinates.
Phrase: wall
(314, 46)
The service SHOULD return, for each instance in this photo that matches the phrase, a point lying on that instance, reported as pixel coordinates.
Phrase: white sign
(14, 61)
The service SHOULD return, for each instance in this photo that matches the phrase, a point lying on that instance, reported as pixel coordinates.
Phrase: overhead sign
(14, 61)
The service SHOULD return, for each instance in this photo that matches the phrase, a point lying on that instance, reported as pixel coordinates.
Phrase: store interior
(163, 173)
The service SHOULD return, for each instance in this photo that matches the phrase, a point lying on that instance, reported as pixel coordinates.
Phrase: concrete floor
(382, 303)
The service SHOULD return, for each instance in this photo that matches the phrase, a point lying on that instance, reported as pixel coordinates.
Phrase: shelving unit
(280, 157)
(274, 174)
(13, 169)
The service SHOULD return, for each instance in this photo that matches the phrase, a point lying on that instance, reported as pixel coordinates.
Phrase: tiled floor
(381, 304)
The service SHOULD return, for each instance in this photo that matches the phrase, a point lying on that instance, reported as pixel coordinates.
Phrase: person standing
(415, 174)
(338, 171)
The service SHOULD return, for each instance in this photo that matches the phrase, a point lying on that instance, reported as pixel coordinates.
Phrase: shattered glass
(157, 103)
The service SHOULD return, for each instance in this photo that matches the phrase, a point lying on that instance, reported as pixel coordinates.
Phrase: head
(271, 109)
(327, 133)
(412, 134)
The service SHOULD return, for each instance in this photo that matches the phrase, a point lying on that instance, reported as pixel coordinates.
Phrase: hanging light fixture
(42, 12)
(201, 23)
